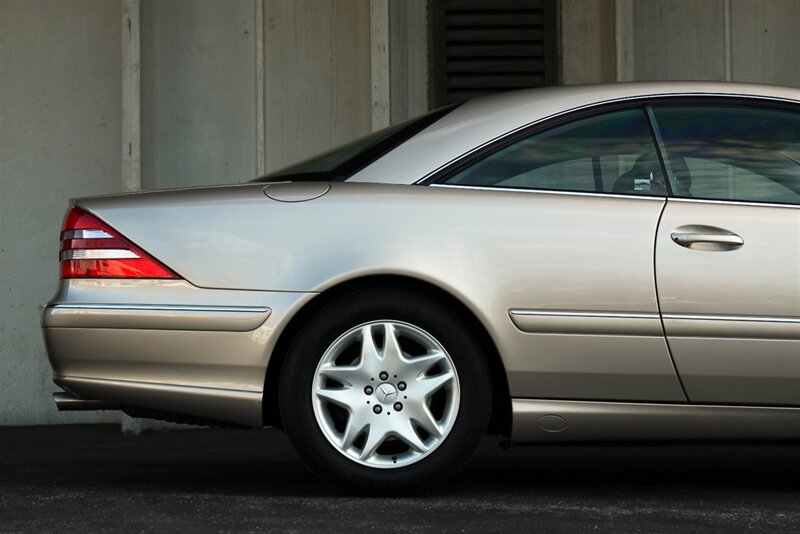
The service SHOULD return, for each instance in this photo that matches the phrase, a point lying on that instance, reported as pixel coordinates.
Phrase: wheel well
(500, 421)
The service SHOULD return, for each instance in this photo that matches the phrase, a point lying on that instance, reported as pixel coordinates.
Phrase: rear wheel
(385, 391)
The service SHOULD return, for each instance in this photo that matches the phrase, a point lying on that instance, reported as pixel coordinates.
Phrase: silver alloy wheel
(386, 394)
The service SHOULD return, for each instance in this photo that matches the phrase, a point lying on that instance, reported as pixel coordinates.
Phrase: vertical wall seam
(624, 39)
(379, 63)
(334, 94)
(726, 10)
(261, 147)
(131, 161)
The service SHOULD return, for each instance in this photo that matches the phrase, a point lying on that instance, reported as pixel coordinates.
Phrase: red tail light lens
(92, 249)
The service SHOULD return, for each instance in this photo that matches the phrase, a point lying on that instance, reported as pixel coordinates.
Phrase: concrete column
(624, 40)
(379, 63)
(131, 98)
(131, 126)
(60, 129)
(408, 58)
(261, 148)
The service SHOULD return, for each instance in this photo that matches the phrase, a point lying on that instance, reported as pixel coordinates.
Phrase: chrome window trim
(550, 192)
(165, 307)
(628, 99)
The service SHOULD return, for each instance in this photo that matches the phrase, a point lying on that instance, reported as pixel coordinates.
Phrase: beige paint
(575, 421)
(759, 283)
(221, 367)
(317, 76)
(570, 260)
(556, 254)
(587, 41)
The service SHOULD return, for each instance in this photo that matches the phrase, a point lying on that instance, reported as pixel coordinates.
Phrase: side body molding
(156, 316)
(586, 322)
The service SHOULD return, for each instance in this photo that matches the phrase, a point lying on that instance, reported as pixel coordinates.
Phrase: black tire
(336, 318)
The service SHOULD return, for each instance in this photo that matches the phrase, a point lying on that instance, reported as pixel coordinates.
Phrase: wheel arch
(500, 420)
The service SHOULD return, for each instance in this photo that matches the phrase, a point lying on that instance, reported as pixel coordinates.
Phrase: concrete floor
(94, 479)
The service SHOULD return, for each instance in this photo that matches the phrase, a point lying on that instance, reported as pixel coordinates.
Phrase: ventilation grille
(483, 47)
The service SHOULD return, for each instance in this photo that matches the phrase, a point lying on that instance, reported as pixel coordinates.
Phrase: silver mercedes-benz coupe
(610, 262)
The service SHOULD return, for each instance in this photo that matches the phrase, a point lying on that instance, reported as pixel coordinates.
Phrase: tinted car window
(725, 152)
(609, 153)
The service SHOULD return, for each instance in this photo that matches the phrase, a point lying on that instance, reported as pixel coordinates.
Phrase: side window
(727, 152)
(609, 153)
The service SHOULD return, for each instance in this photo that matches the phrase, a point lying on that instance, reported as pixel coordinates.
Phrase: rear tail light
(92, 249)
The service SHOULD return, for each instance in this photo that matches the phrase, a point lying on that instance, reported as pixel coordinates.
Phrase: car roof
(482, 120)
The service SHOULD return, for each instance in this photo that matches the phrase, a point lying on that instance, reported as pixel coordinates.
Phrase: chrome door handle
(706, 238)
(685, 238)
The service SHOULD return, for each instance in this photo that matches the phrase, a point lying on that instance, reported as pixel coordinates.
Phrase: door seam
(658, 301)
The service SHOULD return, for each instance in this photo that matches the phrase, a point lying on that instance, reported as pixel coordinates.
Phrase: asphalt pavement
(92, 478)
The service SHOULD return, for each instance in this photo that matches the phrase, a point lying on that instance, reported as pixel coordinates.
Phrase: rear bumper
(166, 345)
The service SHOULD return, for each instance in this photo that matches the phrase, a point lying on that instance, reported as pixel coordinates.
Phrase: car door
(571, 258)
(728, 250)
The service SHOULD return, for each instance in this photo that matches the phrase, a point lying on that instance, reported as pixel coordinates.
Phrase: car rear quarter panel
(493, 250)
(146, 343)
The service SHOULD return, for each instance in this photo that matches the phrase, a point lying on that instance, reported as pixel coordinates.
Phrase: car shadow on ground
(244, 461)
(96, 479)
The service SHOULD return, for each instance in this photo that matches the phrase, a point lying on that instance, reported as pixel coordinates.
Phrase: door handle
(685, 239)
(706, 238)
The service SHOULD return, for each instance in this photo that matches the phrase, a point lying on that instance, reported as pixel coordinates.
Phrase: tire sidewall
(338, 317)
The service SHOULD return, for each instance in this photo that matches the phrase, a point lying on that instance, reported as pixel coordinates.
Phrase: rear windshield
(340, 163)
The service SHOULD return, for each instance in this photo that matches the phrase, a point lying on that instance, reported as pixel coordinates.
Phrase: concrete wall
(679, 40)
(737, 40)
(60, 124)
(765, 41)
(317, 76)
(198, 92)
(227, 89)
(206, 67)
(588, 53)
(408, 58)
